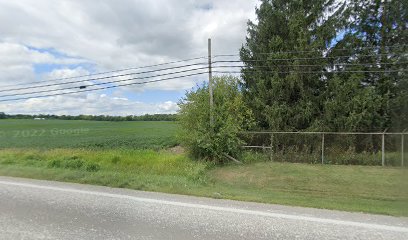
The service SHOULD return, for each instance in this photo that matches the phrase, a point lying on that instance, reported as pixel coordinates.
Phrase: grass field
(144, 161)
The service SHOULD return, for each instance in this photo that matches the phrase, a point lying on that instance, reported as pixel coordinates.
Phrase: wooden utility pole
(210, 84)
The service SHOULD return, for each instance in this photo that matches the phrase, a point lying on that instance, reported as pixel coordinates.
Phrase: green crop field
(47, 134)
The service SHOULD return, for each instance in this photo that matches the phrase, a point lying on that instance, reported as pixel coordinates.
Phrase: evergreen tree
(327, 65)
(284, 79)
(374, 41)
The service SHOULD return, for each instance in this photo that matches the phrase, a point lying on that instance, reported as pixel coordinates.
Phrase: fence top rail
(334, 133)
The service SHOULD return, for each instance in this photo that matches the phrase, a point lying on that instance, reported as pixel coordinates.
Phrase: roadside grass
(333, 157)
(372, 189)
(134, 169)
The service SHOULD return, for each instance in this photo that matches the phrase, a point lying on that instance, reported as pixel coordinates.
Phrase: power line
(102, 88)
(328, 71)
(97, 84)
(100, 78)
(310, 65)
(189, 70)
(195, 69)
(113, 71)
(191, 59)
(312, 72)
(102, 83)
(313, 51)
(311, 58)
(221, 61)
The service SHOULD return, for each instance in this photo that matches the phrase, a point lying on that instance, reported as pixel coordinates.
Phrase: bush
(231, 116)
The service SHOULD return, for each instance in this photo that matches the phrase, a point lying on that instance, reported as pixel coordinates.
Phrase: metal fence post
(383, 150)
(274, 140)
(322, 148)
(402, 150)
(271, 153)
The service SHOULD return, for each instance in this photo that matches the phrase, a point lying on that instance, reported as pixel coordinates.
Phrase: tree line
(309, 65)
(146, 117)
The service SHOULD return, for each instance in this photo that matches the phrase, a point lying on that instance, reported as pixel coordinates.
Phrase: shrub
(230, 117)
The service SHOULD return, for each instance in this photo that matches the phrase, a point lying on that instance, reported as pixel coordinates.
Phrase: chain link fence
(377, 148)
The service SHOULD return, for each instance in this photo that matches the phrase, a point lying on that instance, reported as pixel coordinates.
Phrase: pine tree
(375, 36)
(284, 78)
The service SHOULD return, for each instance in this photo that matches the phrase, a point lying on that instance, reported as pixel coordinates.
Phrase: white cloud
(66, 73)
(109, 36)
(168, 107)
(130, 33)
(93, 104)
(17, 62)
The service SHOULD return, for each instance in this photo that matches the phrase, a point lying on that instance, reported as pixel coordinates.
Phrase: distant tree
(153, 117)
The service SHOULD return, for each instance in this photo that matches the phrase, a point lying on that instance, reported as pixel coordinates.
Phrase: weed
(73, 164)
(115, 159)
(8, 161)
(55, 163)
(31, 157)
(92, 167)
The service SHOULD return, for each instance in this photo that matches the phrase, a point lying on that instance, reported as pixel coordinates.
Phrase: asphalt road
(33, 209)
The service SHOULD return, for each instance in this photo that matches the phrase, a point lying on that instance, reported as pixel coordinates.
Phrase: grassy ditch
(369, 189)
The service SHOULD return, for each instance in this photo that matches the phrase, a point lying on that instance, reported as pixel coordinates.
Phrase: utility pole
(210, 85)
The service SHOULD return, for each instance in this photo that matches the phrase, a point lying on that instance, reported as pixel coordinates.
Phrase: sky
(44, 40)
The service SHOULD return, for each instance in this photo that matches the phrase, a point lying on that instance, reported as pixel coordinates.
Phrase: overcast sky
(47, 39)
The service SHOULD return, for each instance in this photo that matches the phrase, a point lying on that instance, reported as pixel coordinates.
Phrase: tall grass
(119, 168)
